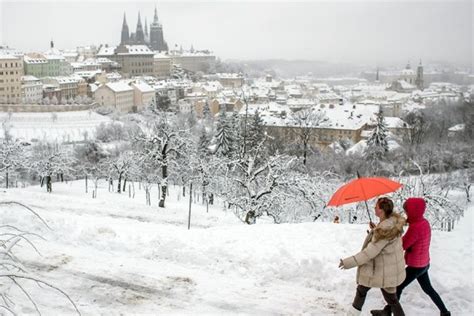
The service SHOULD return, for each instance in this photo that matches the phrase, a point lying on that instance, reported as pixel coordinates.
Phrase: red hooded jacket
(416, 241)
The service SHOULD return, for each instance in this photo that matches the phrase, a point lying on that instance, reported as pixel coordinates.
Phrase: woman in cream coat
(380, 263)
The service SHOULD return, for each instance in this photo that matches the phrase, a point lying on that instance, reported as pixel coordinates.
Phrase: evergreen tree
(256, 132)
(206, 112)
(203, 143)
(378, 139)
(236, 131)
(377, 146)
(163, 102)
(224, 136)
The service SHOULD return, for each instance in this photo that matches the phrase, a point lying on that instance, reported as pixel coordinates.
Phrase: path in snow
(115, 255)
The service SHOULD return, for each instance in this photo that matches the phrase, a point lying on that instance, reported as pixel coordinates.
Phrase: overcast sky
(349, 31)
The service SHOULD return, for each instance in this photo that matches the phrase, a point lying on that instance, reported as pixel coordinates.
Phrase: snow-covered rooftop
(138, 50)
(29, 78)
(106, 50)
(5, 56)
(142, 86)
(34, 60)
(119, 86)
(395, 122)
(345, 117)
(161, 56)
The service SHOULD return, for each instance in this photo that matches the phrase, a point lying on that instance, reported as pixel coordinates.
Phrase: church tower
(419, 77)
(157, 41)
(125, 36)
(139, 35)
(147, 38)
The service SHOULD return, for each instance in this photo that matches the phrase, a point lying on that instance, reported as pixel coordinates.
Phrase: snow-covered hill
(71, 126)
(115, 255)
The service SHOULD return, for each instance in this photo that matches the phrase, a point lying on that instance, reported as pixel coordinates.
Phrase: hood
(414, 208)
(389, 228)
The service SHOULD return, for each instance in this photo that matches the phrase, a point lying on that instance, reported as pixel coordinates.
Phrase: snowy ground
(73, 126)
(115, 255)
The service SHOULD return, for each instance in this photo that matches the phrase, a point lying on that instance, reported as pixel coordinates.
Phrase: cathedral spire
(125, 36)
(146, 28)
(139, 22)
(124, 23)
(155, 17)
(139, 36)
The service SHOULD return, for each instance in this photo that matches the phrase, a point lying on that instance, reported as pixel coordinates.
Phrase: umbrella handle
(368, 213)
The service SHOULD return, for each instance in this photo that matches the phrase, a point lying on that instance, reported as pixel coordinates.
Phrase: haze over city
(370, 32)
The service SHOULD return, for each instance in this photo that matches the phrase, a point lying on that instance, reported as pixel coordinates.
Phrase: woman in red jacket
(416, 243)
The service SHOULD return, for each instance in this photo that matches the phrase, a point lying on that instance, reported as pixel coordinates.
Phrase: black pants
(390, 298)
(421, 274)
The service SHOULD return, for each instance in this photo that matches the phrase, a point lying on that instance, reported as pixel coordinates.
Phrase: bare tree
(50, 159)
(12, 158)
(163, 144)
(13, 273)
(306, 125)
(253, 185)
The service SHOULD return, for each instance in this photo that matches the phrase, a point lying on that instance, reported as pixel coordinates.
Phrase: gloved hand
(341, 264)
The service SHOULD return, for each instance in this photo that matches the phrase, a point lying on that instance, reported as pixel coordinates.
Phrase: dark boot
(386, 311)
(393, 303)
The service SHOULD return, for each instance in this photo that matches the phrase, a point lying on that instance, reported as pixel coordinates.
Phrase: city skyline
(357, 31)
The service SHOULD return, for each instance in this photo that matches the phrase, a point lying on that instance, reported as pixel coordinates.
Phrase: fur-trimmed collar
(389, 228)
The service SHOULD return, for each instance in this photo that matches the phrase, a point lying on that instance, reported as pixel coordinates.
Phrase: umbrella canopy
(363, 189)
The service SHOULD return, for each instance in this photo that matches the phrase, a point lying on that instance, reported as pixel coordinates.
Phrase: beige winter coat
(380, 262)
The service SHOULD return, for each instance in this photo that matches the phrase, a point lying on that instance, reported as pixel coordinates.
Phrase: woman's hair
(386, 205)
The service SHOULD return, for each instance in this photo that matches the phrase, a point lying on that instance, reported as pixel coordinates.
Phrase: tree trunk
(305, 152)
(49, 184)
(164, 185)
(119, 186)
(190, 196)
(86, 183)
(250, 218)
(468, 189)
(6, 179)
(124, 184)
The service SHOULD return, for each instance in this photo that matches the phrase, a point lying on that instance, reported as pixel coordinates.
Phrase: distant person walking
(380, 262)
(416, 243)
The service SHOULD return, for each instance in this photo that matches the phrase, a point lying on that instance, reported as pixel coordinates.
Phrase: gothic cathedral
(154, 40)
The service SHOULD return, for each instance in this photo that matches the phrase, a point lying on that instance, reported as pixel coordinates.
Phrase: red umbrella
(363, 189)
